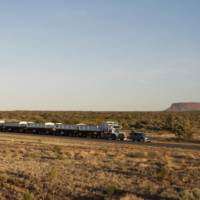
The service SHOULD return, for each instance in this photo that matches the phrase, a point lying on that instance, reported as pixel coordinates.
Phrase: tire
(62, 133)
(121, 138)
(113, 137)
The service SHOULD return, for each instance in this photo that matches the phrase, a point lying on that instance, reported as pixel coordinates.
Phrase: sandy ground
(42, 167)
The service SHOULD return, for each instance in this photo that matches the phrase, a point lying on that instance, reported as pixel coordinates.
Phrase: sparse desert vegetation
(42, 167)
(183, 125)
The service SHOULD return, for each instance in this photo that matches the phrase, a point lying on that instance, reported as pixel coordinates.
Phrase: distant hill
(181, 107)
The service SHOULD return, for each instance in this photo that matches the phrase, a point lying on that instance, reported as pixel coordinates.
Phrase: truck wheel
(62, 133)
(113, 137)
(122, 138)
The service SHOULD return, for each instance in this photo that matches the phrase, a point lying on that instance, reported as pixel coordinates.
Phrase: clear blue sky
(99, 55)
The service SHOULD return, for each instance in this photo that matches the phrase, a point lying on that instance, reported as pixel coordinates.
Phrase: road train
(107, 130)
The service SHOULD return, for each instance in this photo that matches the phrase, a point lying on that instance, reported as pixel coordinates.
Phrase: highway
(52, 139)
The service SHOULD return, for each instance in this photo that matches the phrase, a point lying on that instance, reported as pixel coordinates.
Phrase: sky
(116, 55)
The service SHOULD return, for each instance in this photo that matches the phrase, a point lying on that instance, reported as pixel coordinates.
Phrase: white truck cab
(114, 129)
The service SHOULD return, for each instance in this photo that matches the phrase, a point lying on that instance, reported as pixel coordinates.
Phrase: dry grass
(51, 169)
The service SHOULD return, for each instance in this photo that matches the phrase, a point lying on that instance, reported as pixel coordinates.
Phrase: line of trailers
(107, 130)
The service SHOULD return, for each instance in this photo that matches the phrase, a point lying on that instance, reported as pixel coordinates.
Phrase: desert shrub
(136, 154)
(28, 196)
(168, 193)
(31, 155)
(58, 151)
(3, 177)
(152, 155)
(141, 124)
(164, 172)
(180, 125)
(193, 194)
(130, 197)
(51, 174)
(110, 191)
(196, 193)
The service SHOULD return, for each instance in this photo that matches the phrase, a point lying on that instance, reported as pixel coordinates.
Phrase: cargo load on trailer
(106, 130)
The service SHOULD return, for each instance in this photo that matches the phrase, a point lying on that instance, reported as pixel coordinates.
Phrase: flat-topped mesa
(183, 107)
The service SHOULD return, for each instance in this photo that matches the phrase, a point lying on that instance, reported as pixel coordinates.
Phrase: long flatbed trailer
(107, 130)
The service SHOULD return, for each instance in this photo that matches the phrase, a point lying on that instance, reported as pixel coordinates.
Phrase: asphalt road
(153, 144)
(190, 146)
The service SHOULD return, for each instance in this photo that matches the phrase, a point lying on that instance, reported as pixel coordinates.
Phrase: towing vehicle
(139, 137)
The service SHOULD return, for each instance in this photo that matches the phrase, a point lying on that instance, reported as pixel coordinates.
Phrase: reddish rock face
(181, 107)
